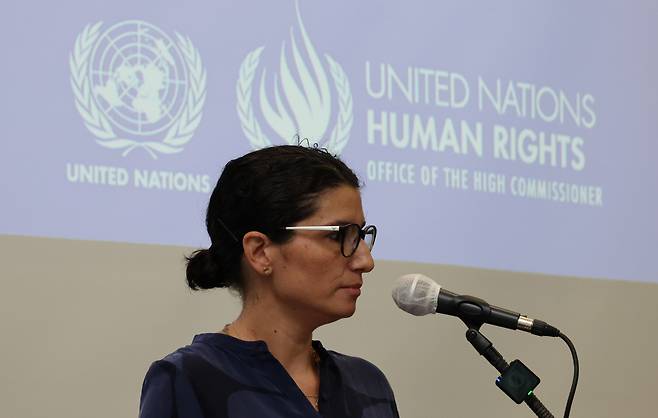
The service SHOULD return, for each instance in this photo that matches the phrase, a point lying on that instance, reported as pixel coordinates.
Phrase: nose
(362, 259)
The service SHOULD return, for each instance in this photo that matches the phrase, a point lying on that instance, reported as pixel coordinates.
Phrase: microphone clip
(516, 380)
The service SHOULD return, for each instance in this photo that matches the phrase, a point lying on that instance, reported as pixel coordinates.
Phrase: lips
(353, 286)
(353, 290)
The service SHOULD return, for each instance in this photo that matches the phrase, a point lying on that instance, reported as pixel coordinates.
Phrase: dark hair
(261, 191)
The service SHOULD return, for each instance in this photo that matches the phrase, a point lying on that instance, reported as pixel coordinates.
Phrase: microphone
(419, 295)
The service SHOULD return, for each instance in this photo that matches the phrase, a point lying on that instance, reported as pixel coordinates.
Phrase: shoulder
(356, 365)
(157, 391)
(177, 365)
(166, 390)
(364, 386)
(362, 375)
(209, 349)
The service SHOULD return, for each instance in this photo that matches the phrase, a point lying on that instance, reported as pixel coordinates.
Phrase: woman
(288, 233)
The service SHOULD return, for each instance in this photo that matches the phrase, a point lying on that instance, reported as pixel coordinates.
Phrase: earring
(266, 270)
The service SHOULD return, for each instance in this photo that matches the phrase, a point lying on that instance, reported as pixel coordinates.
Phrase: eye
(335, 236)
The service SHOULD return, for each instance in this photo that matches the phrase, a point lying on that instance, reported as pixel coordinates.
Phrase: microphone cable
(574, 382)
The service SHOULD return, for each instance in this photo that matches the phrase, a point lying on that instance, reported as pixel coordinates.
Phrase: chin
(347, 311)
(336, 314)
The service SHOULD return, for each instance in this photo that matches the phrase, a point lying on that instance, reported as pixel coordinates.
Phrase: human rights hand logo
(136, 88)
(302, 105)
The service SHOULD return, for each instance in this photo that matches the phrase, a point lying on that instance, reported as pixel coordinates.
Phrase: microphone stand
(487, 350)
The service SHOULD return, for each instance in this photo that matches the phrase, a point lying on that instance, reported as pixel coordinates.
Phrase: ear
(257, 248)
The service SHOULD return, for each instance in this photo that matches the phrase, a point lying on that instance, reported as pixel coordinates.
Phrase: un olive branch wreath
(98, 124)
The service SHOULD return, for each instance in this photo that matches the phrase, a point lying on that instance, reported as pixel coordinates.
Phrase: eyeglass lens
(352, 238)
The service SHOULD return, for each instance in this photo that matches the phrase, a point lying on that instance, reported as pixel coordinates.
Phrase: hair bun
(202, 271)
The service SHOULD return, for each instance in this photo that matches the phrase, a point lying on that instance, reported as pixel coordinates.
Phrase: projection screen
(505, 149)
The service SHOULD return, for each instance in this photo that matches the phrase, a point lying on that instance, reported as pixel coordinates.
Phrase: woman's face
(310, 275)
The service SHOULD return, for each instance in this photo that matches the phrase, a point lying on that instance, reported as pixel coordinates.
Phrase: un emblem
(303, 95)
(136, 88)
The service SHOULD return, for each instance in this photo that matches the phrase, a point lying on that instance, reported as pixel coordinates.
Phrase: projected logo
(301, 103)
(136, 88)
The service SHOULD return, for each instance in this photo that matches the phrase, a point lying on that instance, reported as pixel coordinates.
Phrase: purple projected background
(515, 136)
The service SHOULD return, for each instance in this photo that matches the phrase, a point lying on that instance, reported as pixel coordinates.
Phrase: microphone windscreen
(416, 294)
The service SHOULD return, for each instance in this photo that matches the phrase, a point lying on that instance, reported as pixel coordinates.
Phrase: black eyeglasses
(349, 235)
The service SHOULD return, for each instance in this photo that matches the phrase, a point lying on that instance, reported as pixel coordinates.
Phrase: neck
(287, 339)
(288, 335)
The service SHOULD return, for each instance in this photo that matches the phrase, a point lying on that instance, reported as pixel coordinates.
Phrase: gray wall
(81, 322)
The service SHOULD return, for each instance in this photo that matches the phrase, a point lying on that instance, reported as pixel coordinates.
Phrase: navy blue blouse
(219, 376)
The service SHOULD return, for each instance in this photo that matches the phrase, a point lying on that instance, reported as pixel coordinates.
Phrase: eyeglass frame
(340, 229)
